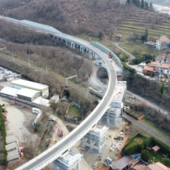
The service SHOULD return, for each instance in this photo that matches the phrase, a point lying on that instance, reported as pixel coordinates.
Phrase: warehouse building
(28, 94)
(19, 84)
(9, 92)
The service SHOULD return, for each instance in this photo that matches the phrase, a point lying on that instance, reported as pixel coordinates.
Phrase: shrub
(133, 71)
(145, 155)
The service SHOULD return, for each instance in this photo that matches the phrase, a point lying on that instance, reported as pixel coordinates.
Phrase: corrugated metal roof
(13, 155)
(11, 146)
(40, 26)
(25, 83)
(27, 92)
(10, 91)
(41, 101)
(11, 139)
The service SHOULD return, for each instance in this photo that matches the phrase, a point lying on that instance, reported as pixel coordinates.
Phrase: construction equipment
(60, 133)
(110, 55)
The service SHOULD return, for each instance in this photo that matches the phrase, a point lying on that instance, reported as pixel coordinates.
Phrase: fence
(106, 50)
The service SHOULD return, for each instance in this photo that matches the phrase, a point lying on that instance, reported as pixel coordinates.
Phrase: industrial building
(28, 94)
(20, 83)
(9, 92)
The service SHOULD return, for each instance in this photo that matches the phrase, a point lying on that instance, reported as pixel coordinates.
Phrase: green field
(137, 140)
(75, 112)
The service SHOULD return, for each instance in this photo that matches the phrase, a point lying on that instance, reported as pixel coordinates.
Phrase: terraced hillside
(157, 25)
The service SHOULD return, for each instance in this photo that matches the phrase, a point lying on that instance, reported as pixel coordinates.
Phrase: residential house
(141, 167)
(162, 43)
(155, 166)
(149, 70)
(161, 68)
(162, 58)
(158, 166)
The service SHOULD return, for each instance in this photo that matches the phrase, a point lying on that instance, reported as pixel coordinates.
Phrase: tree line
(141, 4)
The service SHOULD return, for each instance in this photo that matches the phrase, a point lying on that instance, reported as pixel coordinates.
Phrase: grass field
(75, 112)
(137, 140)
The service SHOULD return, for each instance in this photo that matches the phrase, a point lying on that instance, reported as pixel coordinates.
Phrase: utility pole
(71, 78)
(46, 68)
(28, 63)
(13, 58)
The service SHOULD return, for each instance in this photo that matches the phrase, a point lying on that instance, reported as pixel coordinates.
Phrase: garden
(141, 144)
(75, 113)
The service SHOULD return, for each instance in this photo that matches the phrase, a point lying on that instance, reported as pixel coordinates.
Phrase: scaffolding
(70, 161)
(113, 116)
(95, 139)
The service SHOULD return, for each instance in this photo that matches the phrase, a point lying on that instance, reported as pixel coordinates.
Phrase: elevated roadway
(90, 122)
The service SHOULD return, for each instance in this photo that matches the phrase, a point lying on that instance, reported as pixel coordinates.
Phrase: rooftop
(156, 148)
(121, 163)
(30, 84)
(162, 166)
(163, 38)
(162, 65)
(149, 68)
(41, 101)
(27, 92)
(10, 91)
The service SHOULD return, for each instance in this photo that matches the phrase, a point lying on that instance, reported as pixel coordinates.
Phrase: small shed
(11, 139)
(122, 163)
(28, 94)
(12, 147)
(156, 148)
(13, 156)
(54, 99)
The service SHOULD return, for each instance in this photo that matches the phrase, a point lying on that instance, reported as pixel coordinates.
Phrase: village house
(154, 68)
(162, 58)
(162, 43)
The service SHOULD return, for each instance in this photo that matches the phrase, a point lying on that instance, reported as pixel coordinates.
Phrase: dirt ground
(19, 121)
(91, 158)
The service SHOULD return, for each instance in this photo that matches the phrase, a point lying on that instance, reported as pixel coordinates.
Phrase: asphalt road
(131, 57)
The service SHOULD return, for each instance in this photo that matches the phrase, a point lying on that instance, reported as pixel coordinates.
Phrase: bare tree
(111, 31)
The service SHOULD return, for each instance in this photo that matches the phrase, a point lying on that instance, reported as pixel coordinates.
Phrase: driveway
(131, 57)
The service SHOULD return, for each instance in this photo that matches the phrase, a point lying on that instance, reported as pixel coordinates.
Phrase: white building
(20, 83)
(162, 43)
(161, 68)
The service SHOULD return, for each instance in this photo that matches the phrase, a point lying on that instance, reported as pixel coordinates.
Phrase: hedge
(130, 114)
(3, 134)
(133, 71)
(147, 142)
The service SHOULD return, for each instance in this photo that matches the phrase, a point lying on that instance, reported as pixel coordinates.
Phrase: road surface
(131, 57)
(149, 131)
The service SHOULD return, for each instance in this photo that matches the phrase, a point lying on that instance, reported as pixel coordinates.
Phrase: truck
(60, 133)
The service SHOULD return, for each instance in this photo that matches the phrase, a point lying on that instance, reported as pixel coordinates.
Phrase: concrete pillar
(108, 119)
(66, 42)
(90, 54)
